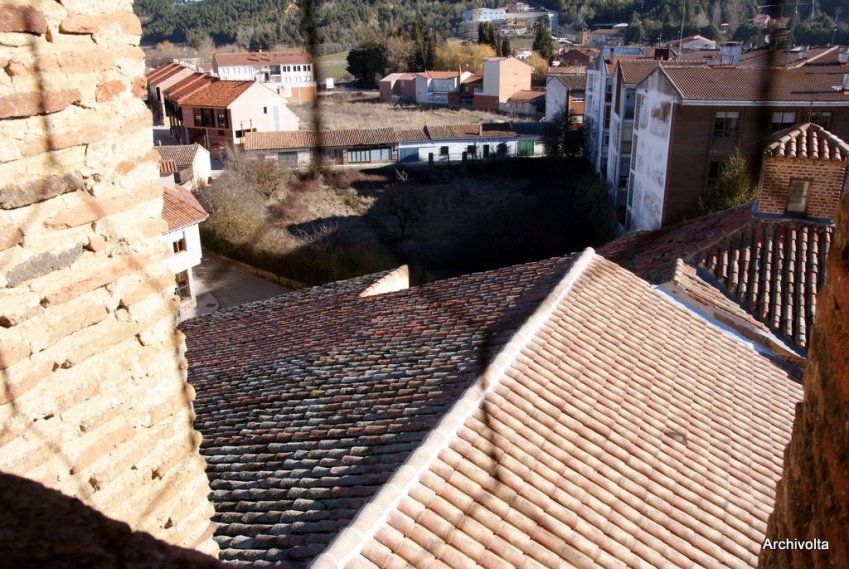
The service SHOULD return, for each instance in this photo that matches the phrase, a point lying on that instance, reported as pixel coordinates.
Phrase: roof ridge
(348, 543)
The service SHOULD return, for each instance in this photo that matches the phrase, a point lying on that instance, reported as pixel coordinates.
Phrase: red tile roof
(308, 402)
(180, 208)
(163, 72)
(609, 432)
(167, 167)
(772, 269)
(216, 94)
(746, 84)
(808, 141)
(440, 74)
(262, 58)
(187, 86)
(180, 154)
(373, 137)
(527, 95)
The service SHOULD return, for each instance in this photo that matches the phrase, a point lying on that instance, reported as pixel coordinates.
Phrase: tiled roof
(163, 72)
(167, 167)
(308, 402)
(185, 87)
(180, 208)
(262, 58)
(567, 70)
(440, 74)
(181, 154)
(612, 431)
(652, 254)
(527, 95)
(572, 82)
(315, 139)
(771, 58)
(808, 141)
(772, 269)
(757, 84)
(374, 136)
(217, 93)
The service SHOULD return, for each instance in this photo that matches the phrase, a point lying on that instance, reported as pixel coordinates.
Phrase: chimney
(845, 86)
(158, 143)
(661, 54)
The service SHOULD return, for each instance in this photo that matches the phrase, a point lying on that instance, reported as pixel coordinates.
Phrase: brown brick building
(804, 174)
(688, 121)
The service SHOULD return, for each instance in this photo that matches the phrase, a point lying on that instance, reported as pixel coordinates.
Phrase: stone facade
(826, 177)
(94, 401)
(812, 499)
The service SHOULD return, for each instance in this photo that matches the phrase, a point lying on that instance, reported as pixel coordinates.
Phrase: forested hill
(341, 24)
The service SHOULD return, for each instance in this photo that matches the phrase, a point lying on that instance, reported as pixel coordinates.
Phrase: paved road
(221, 284)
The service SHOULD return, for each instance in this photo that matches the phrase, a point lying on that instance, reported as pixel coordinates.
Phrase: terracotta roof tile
(167, 167)
(187, 86)
(180, 208)
(757, 84)
(301, 428)
(614, 436)
(527, 95)
(181, 154)
(217, 93)
(808, 141)
(262, 58)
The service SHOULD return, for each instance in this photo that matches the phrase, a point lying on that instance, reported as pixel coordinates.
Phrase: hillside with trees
(342, 24)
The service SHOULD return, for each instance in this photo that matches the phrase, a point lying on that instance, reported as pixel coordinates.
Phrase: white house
(433, 87)
(183, 214)
(290, 73)
(191, 164)
(475, 141)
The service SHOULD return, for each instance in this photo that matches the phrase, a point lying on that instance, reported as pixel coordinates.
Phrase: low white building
(433, 87)
(453, 143)
(192, 167)
(183, 214)
(290, 73)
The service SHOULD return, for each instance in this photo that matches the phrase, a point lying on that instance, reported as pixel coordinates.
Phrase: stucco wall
(649, 154)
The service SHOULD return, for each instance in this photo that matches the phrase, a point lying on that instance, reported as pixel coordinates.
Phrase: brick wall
(94, 400)
(826, 177)
(692, 148)
(812, 500)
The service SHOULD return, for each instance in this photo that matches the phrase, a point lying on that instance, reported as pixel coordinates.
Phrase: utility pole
(836, 20)
(681, 33)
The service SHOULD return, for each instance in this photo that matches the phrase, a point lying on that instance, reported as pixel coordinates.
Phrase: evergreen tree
(367, 62)
(543, 43)
(733, 187)
(505, 48)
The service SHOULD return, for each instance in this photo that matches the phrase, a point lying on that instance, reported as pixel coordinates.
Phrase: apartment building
(290, 73)
(689, 120)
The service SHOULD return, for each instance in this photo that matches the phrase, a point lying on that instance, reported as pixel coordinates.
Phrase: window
(472, 150)
(782, 120)
(221, 117)
(197, 116)
(713, 174)
(443, 151)
(822, 118)
(179, 245)
(183, 288)
(725, 124)
(208, 117)
(798, 201)
(265, 110)
(637, 106)
(634, 148)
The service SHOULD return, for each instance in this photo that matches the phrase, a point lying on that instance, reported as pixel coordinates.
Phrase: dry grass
(344, 112)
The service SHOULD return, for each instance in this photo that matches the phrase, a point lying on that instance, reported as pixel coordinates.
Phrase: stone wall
(812, 499)
(826, 177)
(94, 401)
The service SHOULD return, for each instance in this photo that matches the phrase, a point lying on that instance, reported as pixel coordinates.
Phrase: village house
(692, 43)
(689, 120)
(183, 214)
(565, 92)
(456, 423)
(160, 79)
(577, 56)
(502, 78)
(398, 88)
(216, 113)
(434, 87)
(464, 97)
(290, 72)
(527, 102)
(380, 146)
(191, 164)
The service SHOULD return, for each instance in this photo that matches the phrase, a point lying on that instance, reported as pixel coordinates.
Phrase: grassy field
(333, 65)
(352, 111)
